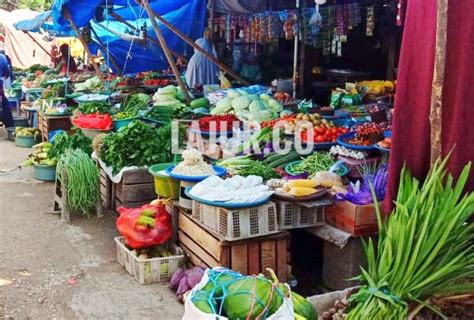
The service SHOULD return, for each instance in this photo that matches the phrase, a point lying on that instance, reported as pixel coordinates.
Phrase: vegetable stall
(247, 200)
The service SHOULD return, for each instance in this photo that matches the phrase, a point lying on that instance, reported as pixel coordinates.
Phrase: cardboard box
(354, 219)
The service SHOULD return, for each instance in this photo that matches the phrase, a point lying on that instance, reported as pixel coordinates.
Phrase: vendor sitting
(251, 70)
(66, 63)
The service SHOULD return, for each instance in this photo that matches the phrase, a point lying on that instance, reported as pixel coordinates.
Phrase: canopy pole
(436, 111)
(103, 48)
(295, 53)
(125, 22)
(196, 47)
(212, 17)
(67, 14)
(39, 44)
(164, 46)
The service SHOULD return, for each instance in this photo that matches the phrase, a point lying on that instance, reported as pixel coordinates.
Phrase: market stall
(214, 190)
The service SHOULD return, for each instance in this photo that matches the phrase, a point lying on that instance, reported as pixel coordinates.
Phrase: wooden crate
(250, 256)
(136, 189)
(47, 124)
(106, 186)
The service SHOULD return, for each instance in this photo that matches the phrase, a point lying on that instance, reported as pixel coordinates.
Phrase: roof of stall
(123, 43)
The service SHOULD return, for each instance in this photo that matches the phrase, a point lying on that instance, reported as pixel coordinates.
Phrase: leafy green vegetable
(258, 169)
(63, 142)
(424, 248)
(139, 145)
(89, 107)
(135, 103)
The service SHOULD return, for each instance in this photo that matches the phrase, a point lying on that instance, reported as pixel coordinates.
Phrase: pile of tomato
(222, 122)
(324, 133)
(157, 82)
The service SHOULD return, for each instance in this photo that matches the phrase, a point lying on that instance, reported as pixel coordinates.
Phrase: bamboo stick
(164, 46)
(67, 14)
(125, 22)
(188, 40)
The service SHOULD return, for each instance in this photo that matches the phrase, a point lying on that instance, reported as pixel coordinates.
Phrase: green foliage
(138, 145)
(36, 5)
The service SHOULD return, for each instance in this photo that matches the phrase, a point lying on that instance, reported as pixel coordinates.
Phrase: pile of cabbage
(250, 107)
(168, 96)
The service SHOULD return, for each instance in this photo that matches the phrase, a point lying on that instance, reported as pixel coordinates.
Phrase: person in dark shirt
(5, 72)
(66, 61)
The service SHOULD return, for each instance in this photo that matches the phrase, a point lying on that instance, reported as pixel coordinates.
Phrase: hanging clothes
(411, 123)
(200, 69)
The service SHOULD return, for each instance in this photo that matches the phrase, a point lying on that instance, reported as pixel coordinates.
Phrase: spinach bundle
(139, 145)
(63, 142)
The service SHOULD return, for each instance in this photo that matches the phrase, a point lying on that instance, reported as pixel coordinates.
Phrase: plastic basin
(44, 173)
(118, 124)
(25, 142)
(165, 186)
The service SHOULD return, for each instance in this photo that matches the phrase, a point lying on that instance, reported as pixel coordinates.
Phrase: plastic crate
(292, 215)
(150, 270)
(237, 224)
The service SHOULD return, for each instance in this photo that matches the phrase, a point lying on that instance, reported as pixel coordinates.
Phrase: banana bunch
(40, 156)
(26, 132)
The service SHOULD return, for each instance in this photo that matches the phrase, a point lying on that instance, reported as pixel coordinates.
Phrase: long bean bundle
(80, 176)
(425, 247)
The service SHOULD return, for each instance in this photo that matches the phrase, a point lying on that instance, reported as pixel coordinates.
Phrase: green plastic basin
(44, 173)
(165, 186)
(25, 142)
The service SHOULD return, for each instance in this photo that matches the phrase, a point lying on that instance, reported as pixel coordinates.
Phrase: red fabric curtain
(411, 124)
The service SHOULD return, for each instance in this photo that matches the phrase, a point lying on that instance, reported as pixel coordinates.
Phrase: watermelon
(200, 103)
(201, 301)
(248, 292)
(302, 307)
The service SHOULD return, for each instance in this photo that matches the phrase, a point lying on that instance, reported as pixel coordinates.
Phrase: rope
(137, 32)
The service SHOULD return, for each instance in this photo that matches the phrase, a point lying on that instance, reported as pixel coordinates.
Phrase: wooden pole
(104, 48)
(67, 14)
(295, 54)
(198, 48)
(125, 22)
(212, 18)
(302, 66)
(39, 44)
(164, 46)
(438, 80)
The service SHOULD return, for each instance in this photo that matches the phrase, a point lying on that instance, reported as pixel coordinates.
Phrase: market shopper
(66, 61)
(5, 72)
(201, 70)
(251, 70)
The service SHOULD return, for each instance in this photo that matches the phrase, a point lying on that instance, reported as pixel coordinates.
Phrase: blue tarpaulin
(186, 15)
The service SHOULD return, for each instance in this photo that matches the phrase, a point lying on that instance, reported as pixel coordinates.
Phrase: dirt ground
(54, 270)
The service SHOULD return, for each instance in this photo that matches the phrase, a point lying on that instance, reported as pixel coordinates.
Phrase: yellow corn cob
(305, 183)
(302, 191)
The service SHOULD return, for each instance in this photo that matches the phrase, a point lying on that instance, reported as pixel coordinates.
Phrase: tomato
(318, 139)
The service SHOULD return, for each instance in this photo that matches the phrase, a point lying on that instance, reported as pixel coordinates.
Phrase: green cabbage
(257, 106)
(275, 105)
(168, 90)
(223, 106)
(241, 103)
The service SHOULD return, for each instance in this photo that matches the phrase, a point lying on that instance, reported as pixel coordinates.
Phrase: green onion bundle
(80, 176)
(425, 248)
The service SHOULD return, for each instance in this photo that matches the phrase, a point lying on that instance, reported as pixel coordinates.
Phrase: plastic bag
(147, 226)
(191, 312)
(93, 121)
(327, 179)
